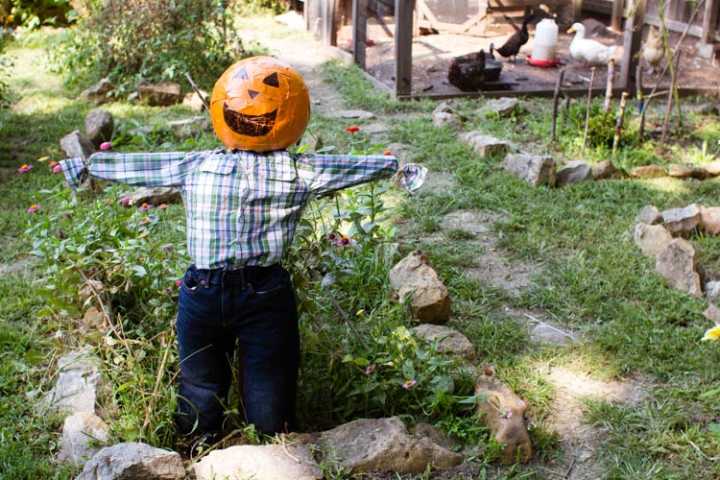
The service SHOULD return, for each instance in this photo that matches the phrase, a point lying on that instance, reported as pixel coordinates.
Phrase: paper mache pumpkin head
(260, 104)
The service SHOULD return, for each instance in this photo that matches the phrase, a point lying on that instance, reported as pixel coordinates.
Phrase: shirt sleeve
(165, 169)
(328, 173)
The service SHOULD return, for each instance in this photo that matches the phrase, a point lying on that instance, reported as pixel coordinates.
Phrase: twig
(641, 102)
(609, 87)
(620, 122)
(204, 100)
(556, 100)
(566, 114)
(158, 379)
(587, 107)
(671, 96)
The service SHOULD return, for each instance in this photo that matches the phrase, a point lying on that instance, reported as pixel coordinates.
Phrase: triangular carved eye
(272, 80)
(253, 94)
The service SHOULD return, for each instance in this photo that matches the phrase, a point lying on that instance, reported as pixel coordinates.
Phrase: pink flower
(162, 206)
(105, 146)
(145, 207)
(57, 168)
(370, 369)
(409, 384)
(34, 208)
(125, 201)
(24, 168)
(352, 129)
(178, 282)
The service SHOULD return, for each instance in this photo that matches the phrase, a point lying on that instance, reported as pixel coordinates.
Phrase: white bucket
(546, 39)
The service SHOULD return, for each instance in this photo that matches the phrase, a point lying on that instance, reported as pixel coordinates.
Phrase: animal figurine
(504, 414)
(653, 50)
(513, 44)
(467, 72)
(589, 51)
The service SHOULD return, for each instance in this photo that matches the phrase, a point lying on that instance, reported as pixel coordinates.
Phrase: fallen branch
(197, 91)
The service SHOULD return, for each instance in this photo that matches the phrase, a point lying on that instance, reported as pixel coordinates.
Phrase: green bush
(131, 41)
(33, 13)
(5, 65)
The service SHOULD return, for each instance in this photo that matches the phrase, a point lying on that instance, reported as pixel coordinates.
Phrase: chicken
(653, 50)
(589, 51)
(513, 44)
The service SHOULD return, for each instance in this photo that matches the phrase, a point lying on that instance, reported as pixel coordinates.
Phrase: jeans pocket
(190, 284)
(273, 285)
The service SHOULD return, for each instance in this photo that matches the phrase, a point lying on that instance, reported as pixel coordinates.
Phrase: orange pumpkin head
(260, 104)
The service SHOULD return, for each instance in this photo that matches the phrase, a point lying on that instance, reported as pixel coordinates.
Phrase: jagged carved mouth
(250, 125)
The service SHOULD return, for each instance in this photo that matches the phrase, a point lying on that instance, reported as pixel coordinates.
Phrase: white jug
(546, 38)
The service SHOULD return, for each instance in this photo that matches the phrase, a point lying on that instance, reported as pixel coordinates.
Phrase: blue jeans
(254, 308)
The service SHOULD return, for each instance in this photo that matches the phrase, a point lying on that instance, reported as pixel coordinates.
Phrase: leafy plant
(33, 13)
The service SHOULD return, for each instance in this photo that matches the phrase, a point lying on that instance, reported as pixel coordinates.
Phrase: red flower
(145, 207)
(34, 208)
(387, 152)
(178, 282)
(352, 129)
(57, 168)
(24, 168)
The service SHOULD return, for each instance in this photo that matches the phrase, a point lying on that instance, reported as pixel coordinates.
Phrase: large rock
(384, 445)
(682, 221)
(133, 461)
(75, 145)
(573, 172)
(687, 171)
(82, 433)
(649, 214)
(712, 291)
(77, 382)
(485, 145)
(549, 334)
(710, 220)
(448, 340)
(603, 170)
(414, 281)
(446, 119)
(261, 462)
(648, 171)
(504, 414)
(712, 168)
(193, 101)
(99, 93)
(154, 196)
(160, 94)
(353, 114)
(652, 239)
(535, 169)
(504, 106)
(712, 313)
(99, 125)
(190, 127)
(677, 264)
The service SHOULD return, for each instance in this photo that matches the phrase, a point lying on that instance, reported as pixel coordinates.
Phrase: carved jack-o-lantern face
(260, 104)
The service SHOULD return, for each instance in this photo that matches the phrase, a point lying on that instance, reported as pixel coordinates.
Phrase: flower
(387, 152)
(34, 208)
(105, 146)
(57, 168)
(145, 207)
(162, 206)
(178, 282)
(713, 334)
(125, 201)
(352, 129)
(409, 384)
(370, 369)
(24, 168)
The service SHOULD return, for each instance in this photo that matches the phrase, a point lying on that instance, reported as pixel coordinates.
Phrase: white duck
(589, 51)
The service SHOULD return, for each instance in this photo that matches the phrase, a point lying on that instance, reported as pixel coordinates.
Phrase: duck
(589, 51)
(513, 44)
(652, 49)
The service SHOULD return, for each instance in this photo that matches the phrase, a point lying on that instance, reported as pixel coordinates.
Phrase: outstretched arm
(165, 169)
(328, 173)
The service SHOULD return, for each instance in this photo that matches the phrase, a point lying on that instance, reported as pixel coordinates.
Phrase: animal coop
(414, 48)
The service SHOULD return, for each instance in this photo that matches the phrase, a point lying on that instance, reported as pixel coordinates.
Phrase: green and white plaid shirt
(242, 207)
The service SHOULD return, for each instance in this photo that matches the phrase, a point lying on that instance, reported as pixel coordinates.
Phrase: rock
(93, 320)
(545, 333)
(712, 168)
(154, 196)
(707, 108)
(504, 414)
(444, 119)
(99, 93)
(376, 129)
(677, 264)
(81, 434)
(353, 114)
(468, 221)
(503, 107)
(99, 125)
(687, 171)
(485, 145)
(400, 150)
(384, 445)
(259, 462)
(535, 169)
(426, 430)
(190, 127)
(76, 145)
(573, 172)
(76, 386)
(710, 220)
(652, 239)
(649, 215)
(448, 340)
(681, 221)
(413, 278)
(133, 461)
(193, 101)
(160, 94)
(712, 291)
(648, 171)
(712, 313)
(603, 170)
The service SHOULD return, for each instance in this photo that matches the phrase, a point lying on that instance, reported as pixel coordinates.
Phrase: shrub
(33, 13)
(5, 65)
(131, 41)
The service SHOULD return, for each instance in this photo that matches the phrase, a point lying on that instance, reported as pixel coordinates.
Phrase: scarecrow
(243, 205)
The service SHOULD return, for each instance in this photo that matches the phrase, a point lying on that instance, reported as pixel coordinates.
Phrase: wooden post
(359, 31)
(556, 103)
(710, 20)
(577, 9)
(403, 46)
(329, 26)
(617, 15)
(632, 42)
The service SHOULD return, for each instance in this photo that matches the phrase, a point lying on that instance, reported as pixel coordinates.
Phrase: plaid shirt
(242, 207)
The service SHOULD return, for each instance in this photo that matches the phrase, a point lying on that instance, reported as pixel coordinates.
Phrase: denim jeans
(255, 308)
